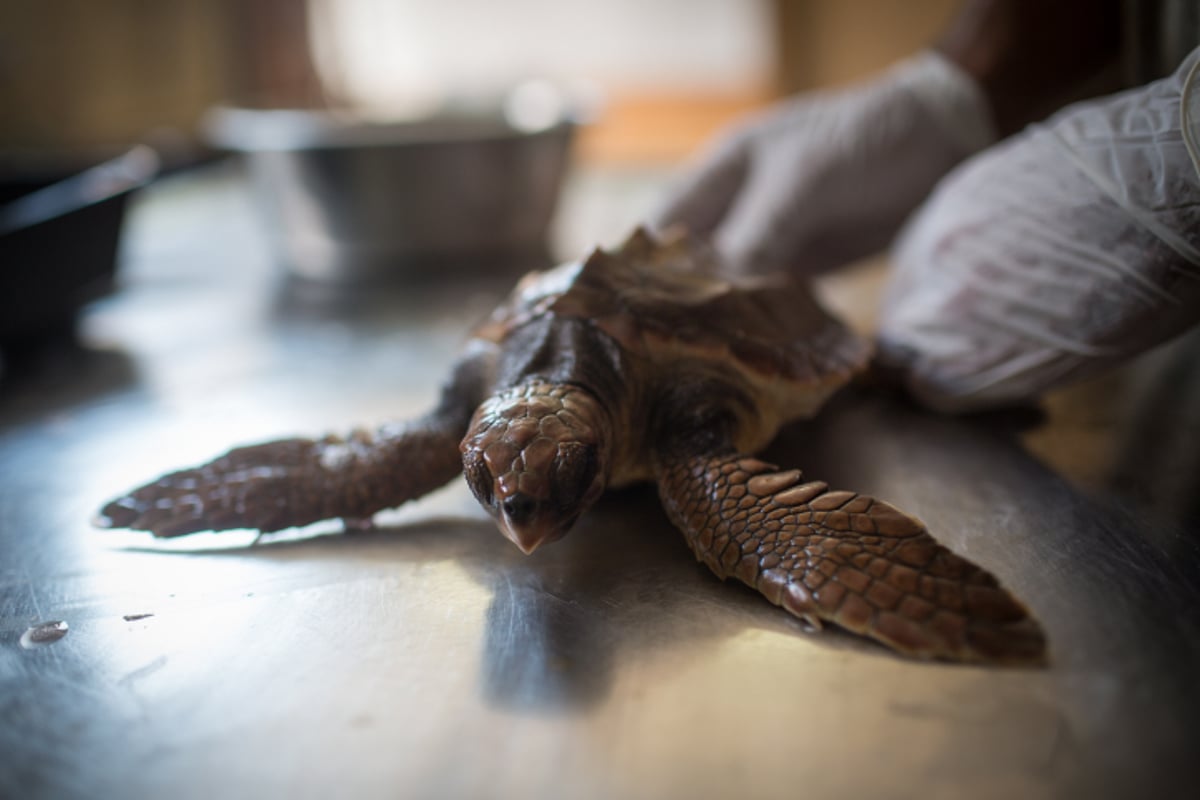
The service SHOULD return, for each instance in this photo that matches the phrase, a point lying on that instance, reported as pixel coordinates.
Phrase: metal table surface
(429, 658)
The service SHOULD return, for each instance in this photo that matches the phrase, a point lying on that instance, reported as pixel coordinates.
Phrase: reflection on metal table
(429, 658)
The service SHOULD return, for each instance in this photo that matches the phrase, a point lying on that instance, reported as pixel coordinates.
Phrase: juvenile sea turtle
(643, 364)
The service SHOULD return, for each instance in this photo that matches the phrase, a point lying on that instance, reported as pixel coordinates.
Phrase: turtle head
(536, 457)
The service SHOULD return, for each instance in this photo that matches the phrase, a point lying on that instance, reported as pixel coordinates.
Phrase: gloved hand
(829, 177)
(1069, 247)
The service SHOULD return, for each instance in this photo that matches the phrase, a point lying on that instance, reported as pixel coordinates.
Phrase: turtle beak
(528, 524)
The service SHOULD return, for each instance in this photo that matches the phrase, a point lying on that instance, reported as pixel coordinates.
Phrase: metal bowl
(350, 201)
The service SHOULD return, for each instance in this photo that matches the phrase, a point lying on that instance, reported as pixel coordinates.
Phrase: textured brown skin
(284, 484)
(845, 558)
(518, 435)
(293, 482)
(535, 455)
(635, 367)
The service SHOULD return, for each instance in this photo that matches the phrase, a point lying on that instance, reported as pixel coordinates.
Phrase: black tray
(59, 231)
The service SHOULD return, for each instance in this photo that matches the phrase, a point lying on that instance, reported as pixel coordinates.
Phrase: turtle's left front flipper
(846, 558)
(293, 482)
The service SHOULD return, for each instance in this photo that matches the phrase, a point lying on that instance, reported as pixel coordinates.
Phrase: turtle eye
(575, 468)
(520, 508)
(479, 478)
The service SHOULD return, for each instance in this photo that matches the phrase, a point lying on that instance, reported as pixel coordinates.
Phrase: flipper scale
(846, 558)
(292, 482)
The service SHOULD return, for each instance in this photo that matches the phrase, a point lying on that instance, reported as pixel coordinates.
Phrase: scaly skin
(845, 558)
(294, 482)
(536, 456)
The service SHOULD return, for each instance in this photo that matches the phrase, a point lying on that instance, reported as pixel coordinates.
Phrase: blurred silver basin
(351, 201)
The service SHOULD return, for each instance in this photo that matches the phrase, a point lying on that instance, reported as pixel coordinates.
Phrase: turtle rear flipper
(293, 482)
(844, 558)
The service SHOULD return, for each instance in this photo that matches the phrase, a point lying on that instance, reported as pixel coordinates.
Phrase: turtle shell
(668, 301)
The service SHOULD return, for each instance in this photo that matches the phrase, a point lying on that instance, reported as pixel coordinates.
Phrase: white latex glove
(829, 177)
(1060, 251)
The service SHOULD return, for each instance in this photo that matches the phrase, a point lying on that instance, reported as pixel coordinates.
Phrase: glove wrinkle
(1189, 114)
(1057, 253)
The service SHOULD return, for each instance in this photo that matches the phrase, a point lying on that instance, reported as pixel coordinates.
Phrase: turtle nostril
(519, 508)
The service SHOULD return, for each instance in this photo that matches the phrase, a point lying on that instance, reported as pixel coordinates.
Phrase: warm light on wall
(408, 56)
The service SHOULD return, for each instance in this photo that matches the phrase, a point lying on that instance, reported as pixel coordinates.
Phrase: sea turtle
(641, 364)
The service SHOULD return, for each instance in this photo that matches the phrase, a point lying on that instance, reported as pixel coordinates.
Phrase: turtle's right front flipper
(843, 557)
(294, 482)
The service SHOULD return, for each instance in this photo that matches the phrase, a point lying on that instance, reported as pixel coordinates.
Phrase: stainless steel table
(428, 658)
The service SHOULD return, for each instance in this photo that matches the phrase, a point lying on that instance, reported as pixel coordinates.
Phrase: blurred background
(377, 139)
(84, 76)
